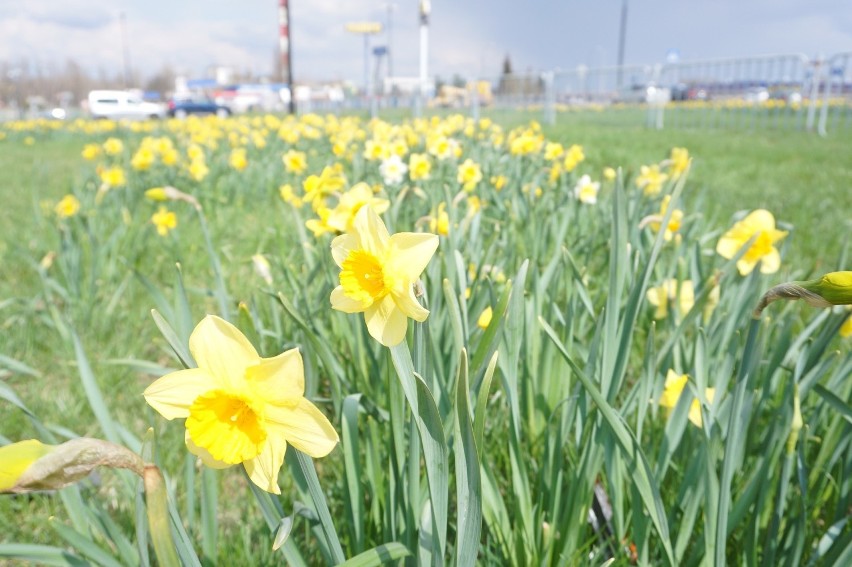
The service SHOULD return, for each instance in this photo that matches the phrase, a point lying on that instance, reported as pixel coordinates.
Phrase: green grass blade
(318, 496)
(352, 469)
(468, 484)
(430, 429)
(643, 476)
(178, 346)
(379, 555)
(41, 555)
(93, 392)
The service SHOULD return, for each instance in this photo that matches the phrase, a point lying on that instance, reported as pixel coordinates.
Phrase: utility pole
(621, 38)
(122, 20)
(391, 6)
(286, 52)
(425, 11)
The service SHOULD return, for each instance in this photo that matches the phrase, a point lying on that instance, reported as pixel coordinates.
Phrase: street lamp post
(621, 41)
(425, 11)
(366, 29)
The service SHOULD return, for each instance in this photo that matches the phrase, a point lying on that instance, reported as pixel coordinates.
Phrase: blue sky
(469, 37)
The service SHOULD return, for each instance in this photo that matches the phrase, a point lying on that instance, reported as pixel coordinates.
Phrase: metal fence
(783, 92)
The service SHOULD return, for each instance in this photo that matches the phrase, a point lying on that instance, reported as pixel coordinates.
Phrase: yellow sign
(364, 27)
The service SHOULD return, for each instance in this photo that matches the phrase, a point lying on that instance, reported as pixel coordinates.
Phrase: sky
(466, 37)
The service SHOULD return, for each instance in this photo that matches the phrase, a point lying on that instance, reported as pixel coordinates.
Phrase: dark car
(181, 107)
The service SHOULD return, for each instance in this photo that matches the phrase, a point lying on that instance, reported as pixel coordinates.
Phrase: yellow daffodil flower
(295, 162)
(679, 294)
(485, 318)
(586, 191)
(198, 169)
(469, 174)
(678, 162)
(553, 151)
(674, 387)
(759, 223)
(113, 177)
(67, 207)
(651, 179)
(164, 220)
(91, 151)
(342, 217)
(674, 221)
(289, 196)
(143, 159)
(377, 276)
(573, 156)
(609, 173)
(439, 223)
(113, 146)
(846, 328)
(419, 167)
(238, 159)
(241, 408)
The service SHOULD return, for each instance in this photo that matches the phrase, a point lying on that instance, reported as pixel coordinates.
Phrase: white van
(118, 105)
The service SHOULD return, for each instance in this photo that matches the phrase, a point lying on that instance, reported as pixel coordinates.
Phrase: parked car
(181, 107)
(643, 94)
(122, 105)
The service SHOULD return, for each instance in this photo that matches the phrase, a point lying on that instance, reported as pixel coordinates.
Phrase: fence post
(816, 77)
(549, 98)
(474, 99)
(823, 112)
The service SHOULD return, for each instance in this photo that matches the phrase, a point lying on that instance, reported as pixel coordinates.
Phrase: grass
(545, 448)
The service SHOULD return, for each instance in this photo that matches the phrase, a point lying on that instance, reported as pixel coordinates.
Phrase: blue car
(181, 107)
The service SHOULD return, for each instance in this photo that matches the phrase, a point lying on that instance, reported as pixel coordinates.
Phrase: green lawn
(805, 180)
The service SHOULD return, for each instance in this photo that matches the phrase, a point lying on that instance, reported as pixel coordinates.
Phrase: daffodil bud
(831, 289)
(796, 425)
(835, 288)
(156, 194)
(30, 465)
(169, 193)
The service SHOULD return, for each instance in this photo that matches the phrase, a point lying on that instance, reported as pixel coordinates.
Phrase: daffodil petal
(371, 230)
(304, 427)
(263, 469)
(412, 252)
(280, 379)
(341, 246)
(172, 394)
(408, 304)
(386, 322)
(770, 263)
(695, 413)
(674, 386)
(203, 454)
(745, 266)
(342, 302)
(16, 458)
(728, 247)
(760, 220)
(223, 350)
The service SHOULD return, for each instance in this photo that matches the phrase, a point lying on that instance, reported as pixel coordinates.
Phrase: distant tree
(507, 65)
(163, 81)
(458, 81)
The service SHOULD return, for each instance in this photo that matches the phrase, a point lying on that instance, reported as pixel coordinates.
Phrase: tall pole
(621, 37)
(391, 7)
(122, 18)
(286, 52)
(425, 10)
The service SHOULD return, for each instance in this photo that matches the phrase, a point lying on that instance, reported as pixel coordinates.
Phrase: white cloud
(469, 38)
